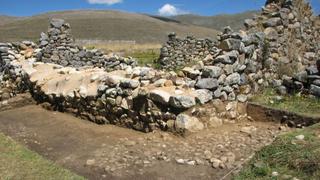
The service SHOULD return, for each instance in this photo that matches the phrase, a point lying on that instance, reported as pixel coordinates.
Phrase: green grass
(145, 57)
(287, 156)
(17, 162)
(295, 103)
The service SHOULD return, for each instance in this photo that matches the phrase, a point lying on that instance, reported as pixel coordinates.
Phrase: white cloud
(108, 2)
(170, 10)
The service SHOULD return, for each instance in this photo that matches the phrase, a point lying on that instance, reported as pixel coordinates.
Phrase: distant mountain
(101, 25)
(235, 21)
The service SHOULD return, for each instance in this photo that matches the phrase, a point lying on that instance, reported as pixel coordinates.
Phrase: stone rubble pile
(57, 46)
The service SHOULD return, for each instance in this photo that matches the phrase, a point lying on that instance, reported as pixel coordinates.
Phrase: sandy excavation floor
(109, 152)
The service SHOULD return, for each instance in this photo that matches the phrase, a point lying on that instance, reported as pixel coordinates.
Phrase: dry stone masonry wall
(293, 44)
(179, 52)
(57, 46)
(138, 97)
(277, 47)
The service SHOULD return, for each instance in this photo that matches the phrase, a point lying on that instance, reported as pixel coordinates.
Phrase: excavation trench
(107, 151)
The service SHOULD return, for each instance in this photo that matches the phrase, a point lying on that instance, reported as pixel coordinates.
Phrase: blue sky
(162, 7)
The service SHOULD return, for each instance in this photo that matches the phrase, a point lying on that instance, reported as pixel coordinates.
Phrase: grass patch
(287, 156)
(298, 103)
(17, 162)
(146, 57)
(145, 54)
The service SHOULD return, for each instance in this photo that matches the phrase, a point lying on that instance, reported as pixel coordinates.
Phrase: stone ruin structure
(279, 48)
(183, 52)
(57, 46)
(215, 79)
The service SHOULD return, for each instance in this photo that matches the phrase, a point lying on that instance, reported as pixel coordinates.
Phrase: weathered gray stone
(129, 83)
(316, 82)
(211, 71)
(242, 98)
(272, 22)
(227, 58)
(44, 43)
(191, 72)
(230, 44)
(182, 101)
(160, 96)
(233, 79)
(312, 70)
(188, 123)
(215, 122)
(271, 33)
(207, 83)
(203, 96)
(57, 23)
(315, 90)
(249, 23)
(301, 76)
(159, 83)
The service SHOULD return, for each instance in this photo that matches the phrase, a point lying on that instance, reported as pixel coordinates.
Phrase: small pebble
(180, 161)
(90, 162)
(300, 137)
(274, 174)
(191, 163)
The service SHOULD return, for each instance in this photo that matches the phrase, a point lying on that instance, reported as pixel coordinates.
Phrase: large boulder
(187, 123)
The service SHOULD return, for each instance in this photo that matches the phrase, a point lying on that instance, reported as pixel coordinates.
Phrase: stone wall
(141, 98)
(113, 90)
(179, 52)
(278, 44)
(57, 46)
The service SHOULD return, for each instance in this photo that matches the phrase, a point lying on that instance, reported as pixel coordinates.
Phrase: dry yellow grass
(125, 48)
(145, 54)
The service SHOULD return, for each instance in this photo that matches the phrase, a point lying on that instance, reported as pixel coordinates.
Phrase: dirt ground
(109, 152)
